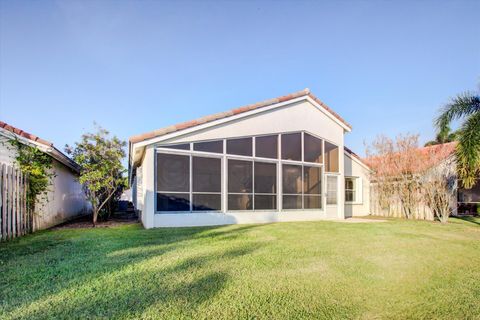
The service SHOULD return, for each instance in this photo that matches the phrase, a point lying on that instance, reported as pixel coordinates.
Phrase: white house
(282, 159)
(65, 198)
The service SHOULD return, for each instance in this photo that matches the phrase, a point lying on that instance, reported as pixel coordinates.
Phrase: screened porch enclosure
(276, 172)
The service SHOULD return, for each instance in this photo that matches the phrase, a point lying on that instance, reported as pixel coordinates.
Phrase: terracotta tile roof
(24, 134)
(446, 149)
(57, 154)
(222, 115)
(429, 156)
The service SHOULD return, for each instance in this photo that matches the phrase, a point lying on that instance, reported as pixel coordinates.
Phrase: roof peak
(226, 114)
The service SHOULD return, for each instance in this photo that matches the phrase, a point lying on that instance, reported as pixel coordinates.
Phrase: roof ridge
(232, 112)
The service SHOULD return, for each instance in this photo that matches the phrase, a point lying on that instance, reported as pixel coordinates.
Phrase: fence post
(14, 202)
(15, 217)
(4, 203)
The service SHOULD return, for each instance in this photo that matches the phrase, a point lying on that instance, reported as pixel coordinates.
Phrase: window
(469, 195)
(183, 146)
(331, 157)
(350, 186)
(173, 182)
(312, 149)
(240, 185)
(266, 147)
(292, 146)
(312, 187)
(332, 187)
(265, 188)
(302, 187)
(241, 147)
(209, 146)
(207, 184)
(193, 181)
(292, 186)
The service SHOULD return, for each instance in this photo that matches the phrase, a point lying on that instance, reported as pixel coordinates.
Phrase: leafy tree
(101, 174)
(38, 166)
(465, 106)
(444, 135)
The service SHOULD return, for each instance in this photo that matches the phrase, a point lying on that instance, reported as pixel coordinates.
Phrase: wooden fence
(15, 218)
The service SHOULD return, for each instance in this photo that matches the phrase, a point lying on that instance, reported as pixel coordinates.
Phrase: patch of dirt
(118, 219)
(88, 224)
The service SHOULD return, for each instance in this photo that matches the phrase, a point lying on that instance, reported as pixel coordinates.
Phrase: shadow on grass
(67, 273)
(470, 219)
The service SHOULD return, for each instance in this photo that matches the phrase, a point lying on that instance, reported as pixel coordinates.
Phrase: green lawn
(396, 269)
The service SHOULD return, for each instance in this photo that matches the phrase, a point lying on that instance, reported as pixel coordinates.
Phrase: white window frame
(224, 172)
(358, 192)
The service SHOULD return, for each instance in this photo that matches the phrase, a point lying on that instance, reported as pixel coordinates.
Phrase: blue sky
(135, 66)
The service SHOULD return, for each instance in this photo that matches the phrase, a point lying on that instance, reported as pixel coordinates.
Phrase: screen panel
(265, 202)
(312, 180)
(292, 179)
(312, 149)
(331, 157)
(183, 146)
(266, 147)
(207, 202)
(209, 146)
(332, 186)
(240, 176)
(292, 202)
(240, 202)
(173, 202)
(292, 146)
(265, 177)
(241, 147)
(312, 202)
(206, 174)
(173, 172)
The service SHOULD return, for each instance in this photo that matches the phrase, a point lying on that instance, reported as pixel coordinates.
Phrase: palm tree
(444, 135)
(465, 106)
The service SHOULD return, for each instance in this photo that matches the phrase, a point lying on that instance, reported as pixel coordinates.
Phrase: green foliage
(465, 106)
(444, 135)
(303, 270)
(37, 165)
(101, 174)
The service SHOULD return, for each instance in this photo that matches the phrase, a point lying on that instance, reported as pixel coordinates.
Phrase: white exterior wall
(65, 198)
(353, 168)
(7, 151)
(148, 187)
(293, 117)
(299, 116)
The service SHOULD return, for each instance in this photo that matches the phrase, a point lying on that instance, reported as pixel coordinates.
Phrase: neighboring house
(439, 156)
(279, 160)
(65, 198)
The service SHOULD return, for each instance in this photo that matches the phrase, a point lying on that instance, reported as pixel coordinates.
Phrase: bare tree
(418, 179)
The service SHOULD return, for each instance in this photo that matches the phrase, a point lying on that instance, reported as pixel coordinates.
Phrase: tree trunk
(95, 216)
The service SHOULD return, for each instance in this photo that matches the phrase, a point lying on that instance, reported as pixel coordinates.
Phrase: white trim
(356, 160)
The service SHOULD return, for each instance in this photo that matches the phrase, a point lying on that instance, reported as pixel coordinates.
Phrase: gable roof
(356, 156)
(44, 145)
(222, 115)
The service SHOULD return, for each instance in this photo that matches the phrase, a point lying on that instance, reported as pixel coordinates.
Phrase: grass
(395, 270)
